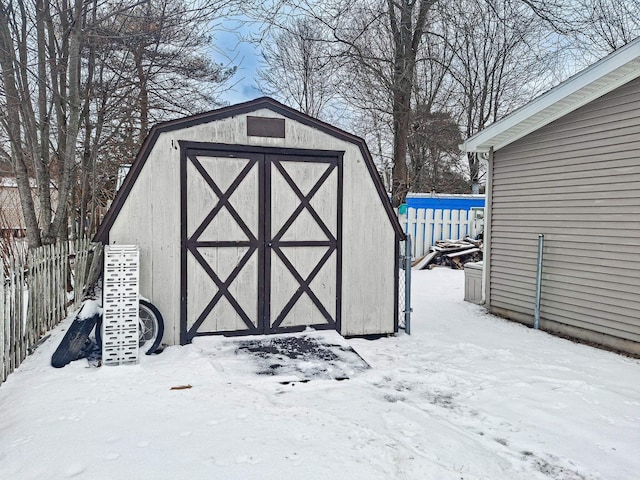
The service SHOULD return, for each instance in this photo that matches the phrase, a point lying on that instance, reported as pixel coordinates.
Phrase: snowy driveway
(467, 396)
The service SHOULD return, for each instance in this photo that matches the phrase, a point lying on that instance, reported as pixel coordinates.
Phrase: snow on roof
(602, 77)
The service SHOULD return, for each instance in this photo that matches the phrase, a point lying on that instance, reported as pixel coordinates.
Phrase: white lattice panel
(120, 304)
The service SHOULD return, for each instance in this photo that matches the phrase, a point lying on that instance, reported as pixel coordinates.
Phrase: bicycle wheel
(150, 328)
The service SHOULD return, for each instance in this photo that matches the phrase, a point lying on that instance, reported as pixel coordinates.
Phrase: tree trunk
(42, 161)
(401, 115)
(12, 116)
(60, 226)
(407, 36)
(474, 171)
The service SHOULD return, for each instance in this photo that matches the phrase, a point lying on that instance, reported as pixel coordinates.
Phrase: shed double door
(260, 240)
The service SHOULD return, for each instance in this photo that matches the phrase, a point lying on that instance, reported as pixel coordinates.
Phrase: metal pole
(407, 285)
(536, 313)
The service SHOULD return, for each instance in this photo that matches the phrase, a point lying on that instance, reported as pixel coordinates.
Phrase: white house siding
(150, 217)
(577, 181)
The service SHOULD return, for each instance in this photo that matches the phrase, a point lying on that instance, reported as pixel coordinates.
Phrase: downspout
(536, 311)
(487, 158)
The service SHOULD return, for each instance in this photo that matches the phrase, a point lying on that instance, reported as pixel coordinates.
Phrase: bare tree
(165, 44)
(79, 76)
(145, 63)
(354, 27)
(498, 64)
(299, 67)
(475, 60)
(407, 21)
(435, 161)
(31, 115)
(601, 26)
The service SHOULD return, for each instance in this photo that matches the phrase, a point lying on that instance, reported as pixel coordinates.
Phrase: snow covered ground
(466, 396)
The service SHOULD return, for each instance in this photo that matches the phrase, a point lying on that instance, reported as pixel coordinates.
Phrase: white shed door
(260, 241)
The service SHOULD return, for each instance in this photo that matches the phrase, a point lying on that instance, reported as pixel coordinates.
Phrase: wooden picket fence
(36, 294)
(426, 225)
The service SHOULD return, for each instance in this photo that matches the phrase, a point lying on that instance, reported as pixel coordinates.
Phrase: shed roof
(602, 77)
(242, 108)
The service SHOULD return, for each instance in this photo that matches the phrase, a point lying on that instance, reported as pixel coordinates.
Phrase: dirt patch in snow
(303, 357)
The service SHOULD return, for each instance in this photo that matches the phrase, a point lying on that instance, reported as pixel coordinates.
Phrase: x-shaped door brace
(223, 290)
(304, 288)
(222, 202)
(331, 243)
(253, 243)
(193, 244)
(305, 202)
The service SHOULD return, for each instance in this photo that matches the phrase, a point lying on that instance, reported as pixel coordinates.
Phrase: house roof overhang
(602, 77)
(102, 234)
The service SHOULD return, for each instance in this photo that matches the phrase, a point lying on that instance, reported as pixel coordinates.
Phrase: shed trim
(240, 109)
(264, 241)
(602, 77)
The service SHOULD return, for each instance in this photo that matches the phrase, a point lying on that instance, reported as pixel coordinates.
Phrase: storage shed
(567, 165)
(249, 221)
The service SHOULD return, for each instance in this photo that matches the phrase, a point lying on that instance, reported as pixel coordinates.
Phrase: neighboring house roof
(602, 77)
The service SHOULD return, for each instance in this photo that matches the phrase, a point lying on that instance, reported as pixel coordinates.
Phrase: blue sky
(243, 54)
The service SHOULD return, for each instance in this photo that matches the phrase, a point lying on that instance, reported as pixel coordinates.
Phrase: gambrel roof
(602, 77)
(231, 111)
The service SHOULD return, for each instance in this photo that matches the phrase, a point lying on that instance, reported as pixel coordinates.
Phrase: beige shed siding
(577, 180)
(368, 241)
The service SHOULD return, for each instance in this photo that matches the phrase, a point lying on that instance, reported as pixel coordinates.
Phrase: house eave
(602, 77)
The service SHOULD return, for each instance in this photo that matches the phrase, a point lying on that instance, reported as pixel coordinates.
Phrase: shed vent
(120, 304)
(265, 127)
